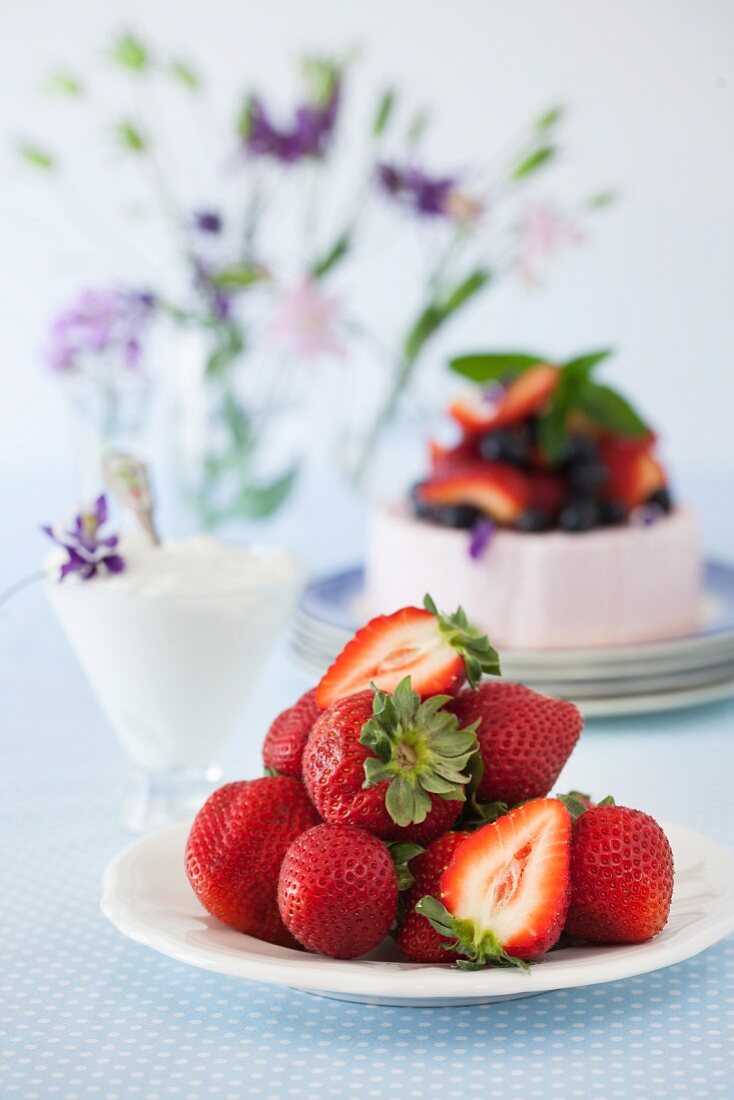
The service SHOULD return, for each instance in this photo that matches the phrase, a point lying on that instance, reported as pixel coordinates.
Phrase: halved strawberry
(438, 652)
(506, 890)
(524, 397)
(500, 491)
(633, 473)
(447, 460)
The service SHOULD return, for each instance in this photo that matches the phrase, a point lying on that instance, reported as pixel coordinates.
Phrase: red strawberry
(235, 848)
(505, 892)
(524, 739)
(633, 473)
(499, 490)
(447, 460)
(547, 492)
(338, 891)
(287, 736)
(415, 936)
(621, 876)
(438, 652)
(524, 397)
(389, 764)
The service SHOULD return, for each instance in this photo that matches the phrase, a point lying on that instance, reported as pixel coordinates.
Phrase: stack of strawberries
(408, 795)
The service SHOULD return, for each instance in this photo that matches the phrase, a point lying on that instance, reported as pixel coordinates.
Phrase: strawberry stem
(480, 946)
(419, 751)
(480, 657)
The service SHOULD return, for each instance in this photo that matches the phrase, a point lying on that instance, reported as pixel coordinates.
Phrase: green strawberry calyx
(577, 803)
(479, 946)
(419, 751)
(401, 853)
(480, 656)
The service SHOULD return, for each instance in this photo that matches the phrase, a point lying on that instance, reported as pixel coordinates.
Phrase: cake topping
(87, 551)
(542, 446)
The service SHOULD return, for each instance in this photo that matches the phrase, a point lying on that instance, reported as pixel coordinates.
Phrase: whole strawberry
(524, 739)
(390, 764)
(338, 891)
(621, 876)
(286, 739)
(235, 848)
(415, 936)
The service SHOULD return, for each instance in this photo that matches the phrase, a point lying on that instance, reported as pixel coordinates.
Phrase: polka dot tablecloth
(84, 1012)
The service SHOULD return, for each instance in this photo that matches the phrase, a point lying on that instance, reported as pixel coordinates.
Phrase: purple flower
(87, 551)
(100, 321)
(208, 221)
(217, 298)
(311, 128)
(416, 190)
(482, 534)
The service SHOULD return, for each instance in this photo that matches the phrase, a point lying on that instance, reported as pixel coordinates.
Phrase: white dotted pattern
(84, 1012)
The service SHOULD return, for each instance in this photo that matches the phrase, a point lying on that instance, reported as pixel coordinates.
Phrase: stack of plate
(664, 675)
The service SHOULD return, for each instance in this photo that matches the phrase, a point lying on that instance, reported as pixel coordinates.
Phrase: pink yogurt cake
(551, 517)
(611, 586)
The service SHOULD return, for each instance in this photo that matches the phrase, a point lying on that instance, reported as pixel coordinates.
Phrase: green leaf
(64, 84)
(131, 137)
(609, 409)
(608, 801)
(480, 657)
(552, 432)
(130, 52)
(417, 127)
(239, 276)
(491, 366)
(580, 367)
(436, 313)
(331, 258)
(401, 853)
(260, 501)
(237, 421)
(602, 199)
(550, 119)
(533, 161)
(230, 345)
(185, 74)
(400, 802)
(36, 157)
(384, 111)
(465, 290)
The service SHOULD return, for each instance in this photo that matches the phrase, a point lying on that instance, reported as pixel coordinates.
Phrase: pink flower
(542, 232)
(304, 322)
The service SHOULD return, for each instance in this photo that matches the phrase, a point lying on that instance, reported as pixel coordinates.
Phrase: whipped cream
(172, 644)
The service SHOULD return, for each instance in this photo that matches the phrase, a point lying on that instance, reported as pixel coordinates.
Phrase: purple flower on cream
(87, 550)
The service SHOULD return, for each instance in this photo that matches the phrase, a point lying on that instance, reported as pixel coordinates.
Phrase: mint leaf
(609, 409)
(490, 366)
(581, 366)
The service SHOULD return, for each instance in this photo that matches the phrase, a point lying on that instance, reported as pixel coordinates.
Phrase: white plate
(147, 896)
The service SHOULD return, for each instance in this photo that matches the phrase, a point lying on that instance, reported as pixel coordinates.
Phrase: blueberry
(587, 478)
(662, 498)
(579, 448)
(505, 446)
(447, 515)
(612, 513)
(579, 515)
(533, 519)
